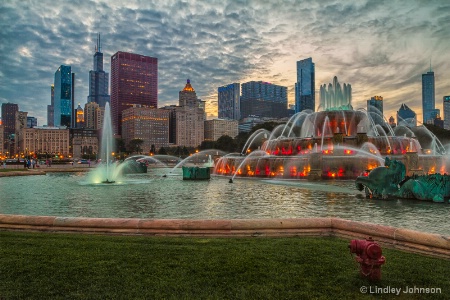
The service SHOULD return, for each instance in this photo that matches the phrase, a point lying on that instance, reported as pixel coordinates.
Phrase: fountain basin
(419, 242)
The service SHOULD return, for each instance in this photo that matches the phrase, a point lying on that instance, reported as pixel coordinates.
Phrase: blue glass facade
(229, 101)
(264, 91)
(305, 91)
(98, 79)
(428, 100)
(263, 99)
(63, 96)
(406, 116)
(375, 109)
(446, 100)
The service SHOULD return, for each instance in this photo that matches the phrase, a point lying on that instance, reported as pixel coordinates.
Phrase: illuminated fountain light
(333, 144)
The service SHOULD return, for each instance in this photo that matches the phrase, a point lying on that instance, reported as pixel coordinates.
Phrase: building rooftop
(188, 87)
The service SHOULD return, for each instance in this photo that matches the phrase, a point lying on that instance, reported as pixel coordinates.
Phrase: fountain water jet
(350, 144)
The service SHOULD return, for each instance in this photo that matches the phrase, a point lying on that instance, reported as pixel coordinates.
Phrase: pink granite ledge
(414, 241)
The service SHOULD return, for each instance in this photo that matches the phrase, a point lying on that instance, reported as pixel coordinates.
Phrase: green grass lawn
(71, 266)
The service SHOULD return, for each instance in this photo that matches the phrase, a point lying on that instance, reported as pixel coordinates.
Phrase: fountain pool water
(149, 195)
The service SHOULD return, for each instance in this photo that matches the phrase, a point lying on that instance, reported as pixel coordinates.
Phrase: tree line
(224, 143)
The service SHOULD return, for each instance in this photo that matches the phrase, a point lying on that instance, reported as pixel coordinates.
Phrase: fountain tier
(332, 144)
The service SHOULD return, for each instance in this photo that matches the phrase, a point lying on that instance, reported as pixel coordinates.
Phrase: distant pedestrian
(89, 163)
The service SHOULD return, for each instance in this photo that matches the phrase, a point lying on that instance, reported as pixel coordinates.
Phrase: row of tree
(224, 143)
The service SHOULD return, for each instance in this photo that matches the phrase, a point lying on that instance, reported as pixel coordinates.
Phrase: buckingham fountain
(336, 142)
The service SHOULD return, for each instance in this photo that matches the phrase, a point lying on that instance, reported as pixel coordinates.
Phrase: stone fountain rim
(399, 238)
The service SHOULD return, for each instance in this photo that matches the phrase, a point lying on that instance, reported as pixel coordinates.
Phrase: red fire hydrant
(368, 255)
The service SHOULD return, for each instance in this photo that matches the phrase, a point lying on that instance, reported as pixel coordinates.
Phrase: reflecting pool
(152, 196)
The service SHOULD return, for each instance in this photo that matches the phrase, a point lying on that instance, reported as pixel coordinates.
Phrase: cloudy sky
(379, 47)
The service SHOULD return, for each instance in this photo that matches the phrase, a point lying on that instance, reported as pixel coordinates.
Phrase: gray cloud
(380, 47)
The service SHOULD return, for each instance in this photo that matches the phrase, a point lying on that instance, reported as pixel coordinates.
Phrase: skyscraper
(447, 112)
(79, 121)
(98, 79)
(375, 109)
(134, 80)
(305, 91)
(51, 107)
(9, 111)
(93, 116)
(187, 120)
(63, 102)
(229, 101)
(151, 125)
(263, 99)
(428, 100)
(406, 116)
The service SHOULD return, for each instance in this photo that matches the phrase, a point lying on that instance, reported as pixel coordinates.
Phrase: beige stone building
(93, 116)
(84, 143)
(187, 120)
(216, 128)
(50, 141)
(148, 124)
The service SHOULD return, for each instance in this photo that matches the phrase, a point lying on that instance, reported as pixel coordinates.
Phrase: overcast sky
(379, 47)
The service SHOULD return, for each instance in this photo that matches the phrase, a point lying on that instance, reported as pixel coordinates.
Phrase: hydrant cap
(373, 251)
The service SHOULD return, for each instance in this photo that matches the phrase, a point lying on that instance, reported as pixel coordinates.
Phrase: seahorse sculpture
(390, 181)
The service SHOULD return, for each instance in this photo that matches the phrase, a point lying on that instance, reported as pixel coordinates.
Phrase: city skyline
(380, 48)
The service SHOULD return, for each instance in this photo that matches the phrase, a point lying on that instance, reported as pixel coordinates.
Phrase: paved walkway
(19, 170)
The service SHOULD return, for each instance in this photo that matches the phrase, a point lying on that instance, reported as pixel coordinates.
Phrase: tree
(135, 146)
(208, 145)
(177, 151)
(226, 143)
(240, 140)
(185, 151)
(266, 125)
(162, 151)
(120, 146)
(152, 149)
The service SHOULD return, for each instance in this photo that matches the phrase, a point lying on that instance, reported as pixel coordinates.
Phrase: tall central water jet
(107, 145)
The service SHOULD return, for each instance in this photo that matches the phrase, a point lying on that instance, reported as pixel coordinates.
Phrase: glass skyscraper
(229, 101)
(375, 109)
(428, 101)
(406, 116)
(305, 91)
(134, 80)
(263, 99)
(51, 107)
(98, 79)
(446, 112)
(63, 92)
